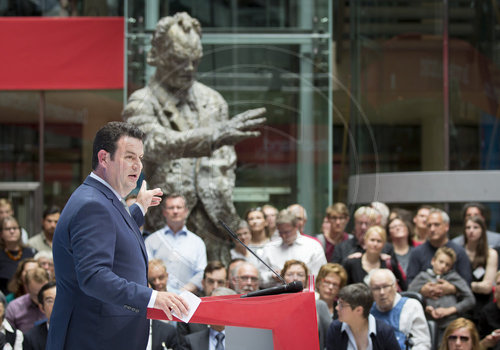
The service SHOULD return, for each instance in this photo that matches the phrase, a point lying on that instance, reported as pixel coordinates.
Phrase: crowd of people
(396, 280)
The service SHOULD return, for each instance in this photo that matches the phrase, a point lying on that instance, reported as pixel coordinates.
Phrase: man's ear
(101, 156)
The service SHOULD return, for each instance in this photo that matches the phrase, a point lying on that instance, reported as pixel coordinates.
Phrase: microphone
(292, 287)
(232, 234)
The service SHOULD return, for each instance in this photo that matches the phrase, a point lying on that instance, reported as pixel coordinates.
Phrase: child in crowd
(444, 308)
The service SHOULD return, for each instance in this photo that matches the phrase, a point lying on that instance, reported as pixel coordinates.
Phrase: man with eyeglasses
(405, 315)
(356, 328)
(247, 278)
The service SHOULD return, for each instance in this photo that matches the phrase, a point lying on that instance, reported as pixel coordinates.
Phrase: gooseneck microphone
(292, 287)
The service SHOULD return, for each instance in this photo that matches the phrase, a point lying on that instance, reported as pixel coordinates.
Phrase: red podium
(290, 317)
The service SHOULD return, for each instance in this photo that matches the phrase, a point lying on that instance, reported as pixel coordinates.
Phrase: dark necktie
(220, 344)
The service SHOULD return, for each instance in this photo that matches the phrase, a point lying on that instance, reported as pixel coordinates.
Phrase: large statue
(189, 137)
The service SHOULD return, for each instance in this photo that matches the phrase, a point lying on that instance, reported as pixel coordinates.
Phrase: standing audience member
(405, 315)
(7, 209)
(438, 224)
(477, 209)
(489, 320)
(301, 214)
(331, 278)
(256, 220)
(43, 240)
(12, 250)
(247, 278)
(45, 260)
(484, 261)
(400, 233)
(9, 336)
(443, 308)
(384, 212)
(239, 250)
(271, 213)
(420, 220)
(36, 337)
(337, 215)
(292, 245)
(183, 252)
(23, 312)
(356, 328)
(461, 334)
(162, 334)
(17, 285)
(364, 218)
(358, 268)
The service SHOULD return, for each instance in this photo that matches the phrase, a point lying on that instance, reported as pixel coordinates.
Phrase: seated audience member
(43, 240)
(271, 213)
(364, 218)
(162, 333)
(46, 261)
(400, 234)
(183, 252)
(36, 337)
(214, 276)
(421, 231)
(443, 308)
(10, 337)
(331, 278)
(232, 271)
(337, 215)
(7, 209)
(358, 268)
(211, 337)
(12, 250)
(356, 328)
(461, 334)
(246, 278)
(384, 212)
(239, 250)
(292, 245)
(484, 261)
(405, 315)
(489, 320)
(477, 209)
(438, 224)
(23, 312)
(296, 270)
(17, 285)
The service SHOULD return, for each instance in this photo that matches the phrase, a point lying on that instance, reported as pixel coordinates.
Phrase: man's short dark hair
(53, 209)
(357, 294)
(107, 138)
(212, 266)
(46, 286)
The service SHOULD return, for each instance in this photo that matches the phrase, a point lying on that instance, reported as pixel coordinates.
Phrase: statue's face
(179, 61)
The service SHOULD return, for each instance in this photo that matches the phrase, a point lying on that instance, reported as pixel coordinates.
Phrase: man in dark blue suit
(99, 254)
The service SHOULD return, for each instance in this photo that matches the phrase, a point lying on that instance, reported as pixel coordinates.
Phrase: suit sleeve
(93, 243)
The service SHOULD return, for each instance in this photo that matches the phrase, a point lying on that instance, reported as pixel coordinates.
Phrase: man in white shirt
(291, 245)
(405, 315)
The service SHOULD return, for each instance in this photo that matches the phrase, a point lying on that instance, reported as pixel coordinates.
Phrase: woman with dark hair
(484, 261)
(461, 334)
(12, 250)
(257, 223)
(400, 235)
(17, 284)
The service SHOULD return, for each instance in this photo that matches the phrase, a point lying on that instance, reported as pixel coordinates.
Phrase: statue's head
(176, 49)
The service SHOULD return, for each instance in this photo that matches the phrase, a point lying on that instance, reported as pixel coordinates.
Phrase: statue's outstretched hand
(238, 128)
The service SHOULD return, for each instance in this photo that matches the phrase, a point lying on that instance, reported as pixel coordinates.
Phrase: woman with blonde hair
(358, 268)
(461, 334)
(331, 278)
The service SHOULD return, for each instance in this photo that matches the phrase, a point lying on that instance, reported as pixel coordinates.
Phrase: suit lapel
(119, 206)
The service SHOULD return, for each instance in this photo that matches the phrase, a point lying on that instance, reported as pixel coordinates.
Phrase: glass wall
(270, 54)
